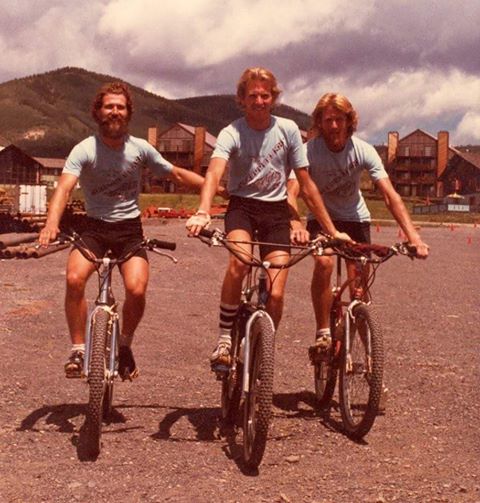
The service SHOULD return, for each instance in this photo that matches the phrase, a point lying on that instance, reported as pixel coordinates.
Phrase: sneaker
(320, 349)
(221, 355)
(74, 365)
(127, 368)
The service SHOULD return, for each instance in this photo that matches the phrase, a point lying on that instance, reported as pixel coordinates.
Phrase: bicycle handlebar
(150, 244)
(324, 245)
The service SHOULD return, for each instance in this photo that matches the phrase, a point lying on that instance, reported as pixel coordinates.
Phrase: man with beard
(109, 167)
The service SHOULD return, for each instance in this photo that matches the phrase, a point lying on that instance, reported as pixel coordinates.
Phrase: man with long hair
(336, 159)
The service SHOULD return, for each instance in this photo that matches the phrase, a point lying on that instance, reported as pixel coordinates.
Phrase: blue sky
(404, 64)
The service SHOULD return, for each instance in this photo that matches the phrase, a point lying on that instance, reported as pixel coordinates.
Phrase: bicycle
(250, 375)
(356, 355)
(101, 339)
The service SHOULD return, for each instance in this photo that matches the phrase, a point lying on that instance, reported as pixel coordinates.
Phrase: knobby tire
(361, 386)
(97, 380)
(258, 402)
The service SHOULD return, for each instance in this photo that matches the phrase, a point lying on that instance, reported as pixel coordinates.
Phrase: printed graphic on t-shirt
(264, 176)
(121, 186)
(339, 181)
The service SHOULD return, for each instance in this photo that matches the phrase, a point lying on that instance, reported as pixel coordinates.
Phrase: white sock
(323, 332)
(78, 347)
(225, 336)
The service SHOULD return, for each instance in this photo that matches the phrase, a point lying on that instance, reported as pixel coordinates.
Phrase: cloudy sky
(404, 64)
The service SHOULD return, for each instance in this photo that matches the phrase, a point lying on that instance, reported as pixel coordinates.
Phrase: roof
(471, 157)
(51, 162)
(210, 140)
(453, 149)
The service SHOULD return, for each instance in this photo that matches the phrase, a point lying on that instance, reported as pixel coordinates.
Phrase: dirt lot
(166, 442)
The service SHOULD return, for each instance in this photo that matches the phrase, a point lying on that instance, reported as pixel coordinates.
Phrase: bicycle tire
(361, 382)
(96, 380)
(325, 371)
(231, 383)
(258, 400)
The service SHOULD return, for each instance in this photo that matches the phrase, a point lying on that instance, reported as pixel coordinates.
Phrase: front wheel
(258, 400)
(97, 380)
(361, 373)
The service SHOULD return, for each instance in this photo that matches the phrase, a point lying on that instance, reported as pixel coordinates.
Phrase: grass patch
(376, 206)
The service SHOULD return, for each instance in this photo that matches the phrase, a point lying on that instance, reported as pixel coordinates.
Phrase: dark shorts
(263, 220)
(358, 231)
(119, 237)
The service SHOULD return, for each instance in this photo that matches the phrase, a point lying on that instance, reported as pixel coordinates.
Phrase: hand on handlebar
(201, 220)
(343, 236)
(422, 249)
(48, 234)
(298, 234)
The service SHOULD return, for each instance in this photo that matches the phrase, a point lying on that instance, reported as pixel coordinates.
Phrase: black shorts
(263, 220)
(119, 237)
(358, 231)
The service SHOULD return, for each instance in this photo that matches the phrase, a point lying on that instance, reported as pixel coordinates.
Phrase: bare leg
(79, 269)
(135, 278)
(236, 271)
(278, 280)
(321, 291)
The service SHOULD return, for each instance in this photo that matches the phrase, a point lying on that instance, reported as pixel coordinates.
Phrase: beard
(113, 128)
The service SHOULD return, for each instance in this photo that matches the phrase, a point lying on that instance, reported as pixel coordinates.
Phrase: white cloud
(468, 130)
(403, 101)
(208, 32)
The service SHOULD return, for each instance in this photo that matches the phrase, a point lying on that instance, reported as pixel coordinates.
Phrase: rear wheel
(361, 373)
(231, 383)
(97, 380)
(258, 401)
(325, 370)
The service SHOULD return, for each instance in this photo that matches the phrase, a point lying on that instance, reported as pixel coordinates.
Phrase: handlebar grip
(167, 245)
(411, 249)
(206, 233)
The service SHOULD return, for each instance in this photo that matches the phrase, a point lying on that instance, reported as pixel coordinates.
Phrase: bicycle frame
(359, 292)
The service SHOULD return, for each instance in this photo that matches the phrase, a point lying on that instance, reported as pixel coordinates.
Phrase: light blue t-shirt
(260, 161)
(337, 176)
(111, 179)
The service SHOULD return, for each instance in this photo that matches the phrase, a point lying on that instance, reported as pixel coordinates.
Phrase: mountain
(47, 114)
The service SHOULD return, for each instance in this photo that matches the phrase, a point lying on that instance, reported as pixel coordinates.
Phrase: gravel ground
(166, 442)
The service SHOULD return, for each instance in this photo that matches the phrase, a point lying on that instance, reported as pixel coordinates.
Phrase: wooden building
(462, 176)
(51, 169)
(18, 168)
(188, 147)
(417, 161)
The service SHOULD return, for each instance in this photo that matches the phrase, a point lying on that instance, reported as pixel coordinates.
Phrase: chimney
(442, 160)
(199, 148)
(392, 147)
(152, 136)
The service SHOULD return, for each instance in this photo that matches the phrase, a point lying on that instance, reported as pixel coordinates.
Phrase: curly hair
(112, 88)
(256, 73)
(341, 103)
